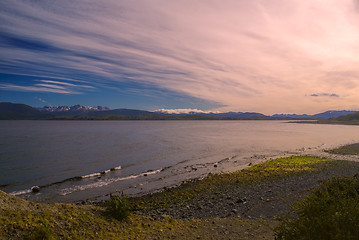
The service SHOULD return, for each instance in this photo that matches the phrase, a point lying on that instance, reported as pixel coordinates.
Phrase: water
(77, 160)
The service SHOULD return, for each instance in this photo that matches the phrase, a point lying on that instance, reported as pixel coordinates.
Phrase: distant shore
(327, 122)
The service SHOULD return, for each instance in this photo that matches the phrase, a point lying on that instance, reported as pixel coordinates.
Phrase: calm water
(141, 156)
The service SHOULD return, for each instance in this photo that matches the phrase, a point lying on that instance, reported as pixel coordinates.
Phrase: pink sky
(268, 56)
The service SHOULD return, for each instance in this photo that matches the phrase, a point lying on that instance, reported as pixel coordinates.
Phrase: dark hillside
(349, 117)
(10, 111)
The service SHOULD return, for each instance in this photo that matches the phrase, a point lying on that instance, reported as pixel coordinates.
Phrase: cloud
(244, 55)
(57, 82)
(43, 101)
(40, 99)
(50, 86)
(38, 88)
(324, 95)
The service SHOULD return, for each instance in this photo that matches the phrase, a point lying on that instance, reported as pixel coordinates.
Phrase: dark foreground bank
(240, 205)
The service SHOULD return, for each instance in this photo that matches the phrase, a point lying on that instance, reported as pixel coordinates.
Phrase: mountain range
(79, 110)
(22, 111)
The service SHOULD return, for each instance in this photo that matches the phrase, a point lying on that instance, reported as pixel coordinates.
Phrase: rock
(215, 165)
(234, 211)
(242, 200)
(35, 189)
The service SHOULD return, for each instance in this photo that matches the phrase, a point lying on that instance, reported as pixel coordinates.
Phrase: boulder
(35, 189)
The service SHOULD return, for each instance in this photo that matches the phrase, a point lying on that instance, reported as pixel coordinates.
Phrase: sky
(267, 56)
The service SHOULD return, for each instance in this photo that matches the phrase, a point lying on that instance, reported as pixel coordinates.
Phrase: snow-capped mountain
(73, 109)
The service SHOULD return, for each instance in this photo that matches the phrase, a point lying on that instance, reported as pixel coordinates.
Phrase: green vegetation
(331, 212)
(118, 207)
(21, 219)
(197, 189)
(351, 149)
(350, 119)
(41, 231)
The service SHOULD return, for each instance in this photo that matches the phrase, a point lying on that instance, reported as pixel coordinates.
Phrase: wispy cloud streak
(324, 95)
(38, 88)
(244, 55)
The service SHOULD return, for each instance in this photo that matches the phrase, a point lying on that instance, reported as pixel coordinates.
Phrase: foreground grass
(30, 220)
(21, 219)
(79, 224)
(330, 212)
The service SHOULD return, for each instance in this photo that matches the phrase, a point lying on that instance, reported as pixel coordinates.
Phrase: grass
(118, 207)
(351, 149)
(330, 213)
(65, 221)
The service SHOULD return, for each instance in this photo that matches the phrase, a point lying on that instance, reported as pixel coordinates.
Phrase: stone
(242, 200)
(35, 189)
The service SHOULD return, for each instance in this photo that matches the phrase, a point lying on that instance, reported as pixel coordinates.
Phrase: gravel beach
(265, 199)
(260, 202)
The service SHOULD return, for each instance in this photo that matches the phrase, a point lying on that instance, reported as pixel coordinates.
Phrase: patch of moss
(351, 149)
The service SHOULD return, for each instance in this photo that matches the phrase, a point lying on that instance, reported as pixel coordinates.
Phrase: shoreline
(320, 151)
(243, 204)
(234, 195)
(224, 166)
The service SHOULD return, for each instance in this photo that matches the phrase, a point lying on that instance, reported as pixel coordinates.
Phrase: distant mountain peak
(72, 109)
(208, 113)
